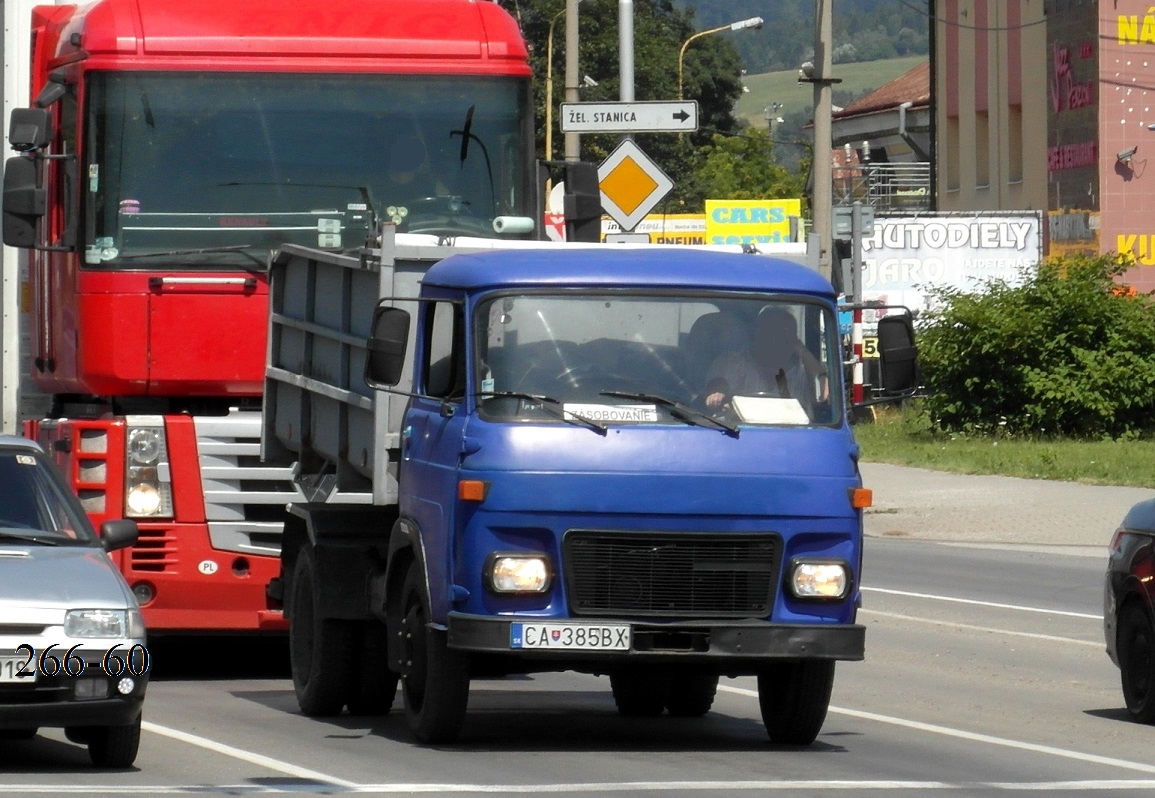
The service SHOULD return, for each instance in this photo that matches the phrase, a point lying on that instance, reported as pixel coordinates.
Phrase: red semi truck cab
(171, 147)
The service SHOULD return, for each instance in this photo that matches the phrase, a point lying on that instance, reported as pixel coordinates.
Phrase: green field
(783, 87)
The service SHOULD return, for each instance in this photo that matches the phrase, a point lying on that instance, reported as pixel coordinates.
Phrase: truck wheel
(320, 649)
(434, 678)
(374, 685)
(691, 694)
(1137, 662)
(794, 697)
(114, 746)
(640, 692)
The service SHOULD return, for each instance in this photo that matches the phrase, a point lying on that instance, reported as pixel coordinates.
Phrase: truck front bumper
(744, 643)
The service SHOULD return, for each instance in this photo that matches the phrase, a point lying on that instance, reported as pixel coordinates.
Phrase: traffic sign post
(630, 117)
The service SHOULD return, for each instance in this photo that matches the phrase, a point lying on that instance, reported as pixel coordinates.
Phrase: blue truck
(529, 459)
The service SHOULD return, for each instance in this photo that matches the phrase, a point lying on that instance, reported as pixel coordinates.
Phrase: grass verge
(904, 438)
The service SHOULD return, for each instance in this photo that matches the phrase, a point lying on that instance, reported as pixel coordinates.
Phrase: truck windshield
(222, 168)
(668, 359)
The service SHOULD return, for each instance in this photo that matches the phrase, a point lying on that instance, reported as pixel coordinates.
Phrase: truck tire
(639, 692)
(321, 650)
(434, 678)
(794, 697)
(374, 685)
(1137, 662)
(691, 693)
(114, 746)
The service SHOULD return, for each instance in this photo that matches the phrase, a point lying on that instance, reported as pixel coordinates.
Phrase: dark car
(72, 642)
(1128, 602)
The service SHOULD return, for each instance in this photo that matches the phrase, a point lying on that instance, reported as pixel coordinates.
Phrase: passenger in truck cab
(775, 363)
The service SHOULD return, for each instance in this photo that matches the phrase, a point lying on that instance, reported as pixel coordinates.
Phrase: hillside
(864, 30)
(783, 87)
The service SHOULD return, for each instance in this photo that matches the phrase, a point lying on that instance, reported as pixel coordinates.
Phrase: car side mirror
(385, 358)
(898, 355)
(118, 534)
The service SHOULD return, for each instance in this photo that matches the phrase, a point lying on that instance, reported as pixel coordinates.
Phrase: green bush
(1068, 351)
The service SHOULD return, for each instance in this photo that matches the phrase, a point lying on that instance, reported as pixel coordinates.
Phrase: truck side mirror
(24, 202)
(29, 129)
(898, 355)
(385, 358)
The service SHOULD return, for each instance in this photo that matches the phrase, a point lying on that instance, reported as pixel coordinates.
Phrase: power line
(952, 23)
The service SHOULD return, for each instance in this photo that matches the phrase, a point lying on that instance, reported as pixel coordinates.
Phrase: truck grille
(663, 574)
(245, 498)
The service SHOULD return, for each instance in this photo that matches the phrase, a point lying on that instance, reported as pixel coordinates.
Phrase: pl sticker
(207, 567)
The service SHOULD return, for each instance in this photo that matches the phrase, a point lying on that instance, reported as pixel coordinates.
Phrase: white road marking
(961, 734)
(992, 604)
(973, 628)
(277, 765)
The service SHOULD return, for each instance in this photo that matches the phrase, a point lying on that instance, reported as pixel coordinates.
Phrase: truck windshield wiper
(176, 253)
(550, 405)
(678, 410)
(26, 538)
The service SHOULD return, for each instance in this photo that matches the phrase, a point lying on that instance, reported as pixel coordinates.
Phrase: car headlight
(819, 580)
(519, 573)
(147, 485)
(100, 623)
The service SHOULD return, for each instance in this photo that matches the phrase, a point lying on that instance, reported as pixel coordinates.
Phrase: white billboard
(907, 255)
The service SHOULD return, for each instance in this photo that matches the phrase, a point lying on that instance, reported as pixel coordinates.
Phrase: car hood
(65, 577)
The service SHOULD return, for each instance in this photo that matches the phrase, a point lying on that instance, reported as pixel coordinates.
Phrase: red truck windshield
(223, 167)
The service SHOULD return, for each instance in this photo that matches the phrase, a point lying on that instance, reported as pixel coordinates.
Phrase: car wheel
(793, 698)
(691, 694)
(639, 692)
(434, 678)
(374, 685)
(320, 649)
(114, 746)
(1137, 662)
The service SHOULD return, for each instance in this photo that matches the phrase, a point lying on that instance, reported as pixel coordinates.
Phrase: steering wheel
(577, 376)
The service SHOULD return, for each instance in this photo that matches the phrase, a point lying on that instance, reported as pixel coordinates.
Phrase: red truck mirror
(385, 358)
(29, 129)
(24, 202)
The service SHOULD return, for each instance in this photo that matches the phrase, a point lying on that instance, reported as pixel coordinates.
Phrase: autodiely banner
(907, 255)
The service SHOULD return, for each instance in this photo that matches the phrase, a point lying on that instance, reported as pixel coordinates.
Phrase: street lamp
(753, 22)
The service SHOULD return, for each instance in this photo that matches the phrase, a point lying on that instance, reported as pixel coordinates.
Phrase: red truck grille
(663, 574)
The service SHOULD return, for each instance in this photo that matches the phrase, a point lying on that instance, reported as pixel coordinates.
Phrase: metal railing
(885, 186)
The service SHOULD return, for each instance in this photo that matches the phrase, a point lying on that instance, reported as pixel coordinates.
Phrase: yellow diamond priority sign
(631, 185)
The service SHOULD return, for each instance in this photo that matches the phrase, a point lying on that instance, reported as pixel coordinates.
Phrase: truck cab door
(431, 441)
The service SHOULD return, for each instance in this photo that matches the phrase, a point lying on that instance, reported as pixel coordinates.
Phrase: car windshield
(219, 169)
(34, 506)
(675, 359)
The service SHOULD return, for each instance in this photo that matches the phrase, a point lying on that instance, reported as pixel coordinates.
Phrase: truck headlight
(147, 484)
(519, 573)
(819, 580)
(97, 623)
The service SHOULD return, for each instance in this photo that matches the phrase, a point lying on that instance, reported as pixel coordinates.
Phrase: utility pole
(822, 208)
(572, 140)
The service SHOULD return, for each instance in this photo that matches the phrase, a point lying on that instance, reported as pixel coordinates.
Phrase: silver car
(72, 643)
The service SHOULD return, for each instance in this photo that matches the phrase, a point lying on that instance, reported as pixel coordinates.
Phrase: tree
(740, 167)
(711, 75)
